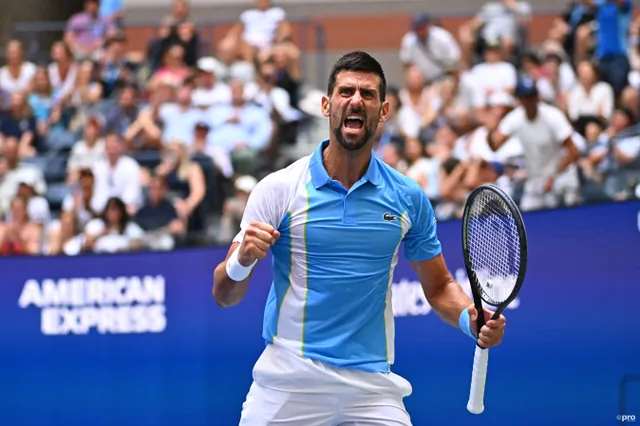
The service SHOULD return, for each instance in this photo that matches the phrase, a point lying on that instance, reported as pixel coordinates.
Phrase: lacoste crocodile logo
(388, 217)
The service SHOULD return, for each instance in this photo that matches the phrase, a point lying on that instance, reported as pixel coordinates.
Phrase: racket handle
(478, 379)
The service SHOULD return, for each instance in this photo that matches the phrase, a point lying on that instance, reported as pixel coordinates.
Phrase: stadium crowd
(107, 151)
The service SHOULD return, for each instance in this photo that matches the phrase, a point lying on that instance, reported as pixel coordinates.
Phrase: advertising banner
(136, 339)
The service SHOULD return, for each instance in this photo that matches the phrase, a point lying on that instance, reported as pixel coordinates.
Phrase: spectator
(259, 29)
(112, 11)
(546, 138)
(173, 70)
(186, 184)
(210, 92)
(67, 239)
(234, 207)
(229, 66)
(114, 231)
(46, 105)
(20, 123)
(86, 32)
(559, 79)
(20, 236)
(122, 115)
(286, 58)
(241, 129)
(573, 30)
(13, 171)
(497, 20)
(85, 95)
(17, 74)
(158, 217)
(117, 175)
(179, 118)
(83, 201)
(203, 148)
(420, 168)
(62, 69)
(37, 206)
(433, 50)
(590, 97)
(86, 152)
(116, 69)
(613, 18)
(494, 74)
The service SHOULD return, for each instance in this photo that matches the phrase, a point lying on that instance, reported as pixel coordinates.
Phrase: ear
(326, 107)
(384, 111)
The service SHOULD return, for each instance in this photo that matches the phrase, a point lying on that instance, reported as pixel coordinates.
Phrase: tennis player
(334, 222)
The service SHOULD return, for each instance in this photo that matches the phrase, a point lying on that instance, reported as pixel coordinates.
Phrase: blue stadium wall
(137, 340)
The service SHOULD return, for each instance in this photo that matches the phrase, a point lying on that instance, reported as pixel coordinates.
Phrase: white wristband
(235, 270)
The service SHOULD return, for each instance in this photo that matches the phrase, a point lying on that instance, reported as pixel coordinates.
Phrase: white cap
(246, 183)
(209, 64)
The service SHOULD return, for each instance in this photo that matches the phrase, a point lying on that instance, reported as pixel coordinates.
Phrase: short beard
(357, 144)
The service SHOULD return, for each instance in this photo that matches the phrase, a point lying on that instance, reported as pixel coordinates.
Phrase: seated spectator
(234, 207)
(422, 169)
(20, 236)
(179, 118)
(86, 32)
(229, 66)
(590, 97)
(46, 105)
(173, 70)
(158, 217)
(84, 96)
(86, 152)
(118, 175)
(20, 123)
(432, 49)
(63, 69)
(501, 20)
(17, 74)
(242, 129)
(203, 147)
(452, 192)
(37, 206)
(392, 155)
(417, 109)
(122, 115)
(114, 231)
(558, 81)
(259, 28)
(286, 58)
(209, 90)
(83, 201)
(186, 184)
(494, 74)
(572, 30)
(116, 70)
(13, 171)
(67, 238)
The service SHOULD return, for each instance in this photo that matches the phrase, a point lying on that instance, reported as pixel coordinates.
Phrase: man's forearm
(227, 292)
(449, 301)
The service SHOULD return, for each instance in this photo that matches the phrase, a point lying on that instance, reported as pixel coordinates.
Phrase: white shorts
(289, 390)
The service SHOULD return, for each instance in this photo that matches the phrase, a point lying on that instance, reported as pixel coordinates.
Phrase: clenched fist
(258, 238)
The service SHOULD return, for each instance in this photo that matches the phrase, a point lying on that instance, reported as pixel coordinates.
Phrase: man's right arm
(226, 291)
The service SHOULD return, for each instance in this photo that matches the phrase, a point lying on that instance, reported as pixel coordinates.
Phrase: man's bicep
(421, 241)
(433, 274)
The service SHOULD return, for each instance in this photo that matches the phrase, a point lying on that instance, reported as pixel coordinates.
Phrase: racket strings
(494, 246)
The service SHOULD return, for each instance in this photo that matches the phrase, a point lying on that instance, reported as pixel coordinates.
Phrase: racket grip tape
(478, 380)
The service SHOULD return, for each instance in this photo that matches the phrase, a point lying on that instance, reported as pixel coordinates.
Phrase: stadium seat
(56, 168)
(61, 140)
(56, 192)
(148, 159)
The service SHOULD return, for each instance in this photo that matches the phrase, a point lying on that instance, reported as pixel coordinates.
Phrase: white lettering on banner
(120, 305)
(408, 298)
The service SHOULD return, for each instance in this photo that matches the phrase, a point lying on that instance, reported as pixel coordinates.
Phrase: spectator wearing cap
(118, 175)
(494, 74)
(209, 90)
(613, 18)
(432, 49)
(158, 217)
(179, 118)
(13, 171)
(591, 97)
(503, 20)
(241, 129)
(86, 31)
(86, 152)
(549, 151)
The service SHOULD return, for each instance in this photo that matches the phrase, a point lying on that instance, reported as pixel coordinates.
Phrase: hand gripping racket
(494, 243)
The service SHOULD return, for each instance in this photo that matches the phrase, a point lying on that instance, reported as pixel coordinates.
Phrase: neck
(531, 113)
(347, 167)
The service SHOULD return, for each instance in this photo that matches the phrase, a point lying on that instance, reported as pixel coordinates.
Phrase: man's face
(156, 190)
(355, 109)
(91, 7)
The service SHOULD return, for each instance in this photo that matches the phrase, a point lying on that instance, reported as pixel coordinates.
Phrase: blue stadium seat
(61, 140)
(56, 192)
(56, 168)
(148, 159)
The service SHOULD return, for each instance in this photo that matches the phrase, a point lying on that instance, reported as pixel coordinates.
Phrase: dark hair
(124, 215)
(358, 61)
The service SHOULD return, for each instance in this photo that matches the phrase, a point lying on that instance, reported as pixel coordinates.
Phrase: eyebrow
(363, 88)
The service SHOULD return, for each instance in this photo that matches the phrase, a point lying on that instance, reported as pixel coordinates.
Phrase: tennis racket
(494, 243)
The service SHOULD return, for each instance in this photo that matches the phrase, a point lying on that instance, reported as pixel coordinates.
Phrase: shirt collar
(320, 177)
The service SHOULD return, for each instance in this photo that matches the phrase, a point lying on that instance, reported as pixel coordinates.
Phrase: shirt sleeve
(509, 124)
(266, 204)
(421, 241)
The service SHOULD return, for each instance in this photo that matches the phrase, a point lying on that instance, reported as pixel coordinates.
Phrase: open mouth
(354, 122)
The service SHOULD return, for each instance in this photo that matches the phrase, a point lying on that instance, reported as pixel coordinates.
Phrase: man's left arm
(443, 293)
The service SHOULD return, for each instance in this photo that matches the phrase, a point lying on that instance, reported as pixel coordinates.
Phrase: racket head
(484, 202)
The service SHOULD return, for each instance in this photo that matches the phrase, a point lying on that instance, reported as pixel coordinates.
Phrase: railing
(32, 34)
